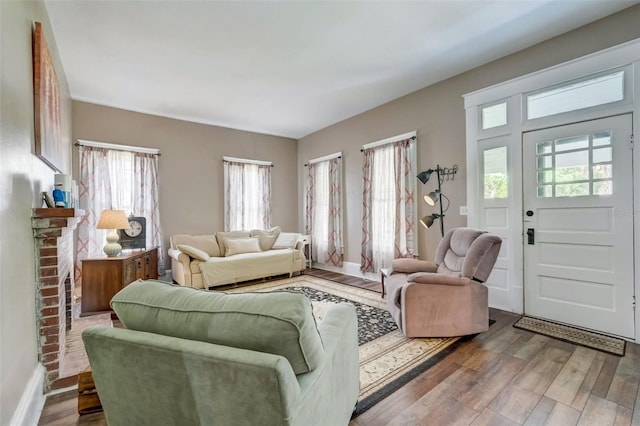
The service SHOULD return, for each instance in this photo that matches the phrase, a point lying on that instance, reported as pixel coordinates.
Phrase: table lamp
(113, 220)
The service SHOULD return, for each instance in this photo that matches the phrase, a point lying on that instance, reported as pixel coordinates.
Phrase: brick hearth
(53, 234)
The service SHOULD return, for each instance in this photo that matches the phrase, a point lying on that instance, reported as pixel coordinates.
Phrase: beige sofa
(204, 261)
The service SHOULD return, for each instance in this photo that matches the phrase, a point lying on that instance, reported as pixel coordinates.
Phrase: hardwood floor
(505, 376)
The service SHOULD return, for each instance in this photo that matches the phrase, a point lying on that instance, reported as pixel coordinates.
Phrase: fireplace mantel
(53, 235)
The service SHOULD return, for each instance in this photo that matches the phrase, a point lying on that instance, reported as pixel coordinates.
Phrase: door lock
(531, 236)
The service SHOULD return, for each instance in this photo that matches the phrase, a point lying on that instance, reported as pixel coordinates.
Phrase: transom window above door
(575, 166)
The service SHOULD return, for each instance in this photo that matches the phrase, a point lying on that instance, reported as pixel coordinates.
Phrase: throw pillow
(206, 243)
(286, 240)
(223, 236)
(266, 238)
(193, 252)
(241, 245)
(279, 323)
(408, 265)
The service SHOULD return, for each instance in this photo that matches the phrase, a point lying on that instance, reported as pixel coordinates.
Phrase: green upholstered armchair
(192, 357)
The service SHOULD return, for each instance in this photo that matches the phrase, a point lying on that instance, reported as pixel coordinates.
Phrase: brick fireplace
(53, 234)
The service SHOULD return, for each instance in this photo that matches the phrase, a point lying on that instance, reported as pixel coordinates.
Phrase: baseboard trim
(349, 268)
(32, 400)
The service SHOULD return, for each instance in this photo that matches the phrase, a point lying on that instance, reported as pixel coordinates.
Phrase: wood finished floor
(505, 376)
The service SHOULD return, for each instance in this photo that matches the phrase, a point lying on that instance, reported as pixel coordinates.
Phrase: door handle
(531, 236)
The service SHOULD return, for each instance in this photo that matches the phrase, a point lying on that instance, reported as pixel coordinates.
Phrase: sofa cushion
(266, 238)
(206, 243)
(222, 236)
(286, 240)
(241, 245)
(194, 252)
(279, 323)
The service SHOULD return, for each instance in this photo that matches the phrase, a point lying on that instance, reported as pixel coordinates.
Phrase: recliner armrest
(440, 279)
(410, 265)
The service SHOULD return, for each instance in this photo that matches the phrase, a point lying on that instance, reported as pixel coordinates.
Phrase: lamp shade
(427, 221)
(113, 219)
(424, 176)
(432, 197)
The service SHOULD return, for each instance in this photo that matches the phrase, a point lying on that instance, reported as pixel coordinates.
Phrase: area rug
(574, 335)
(388, 360)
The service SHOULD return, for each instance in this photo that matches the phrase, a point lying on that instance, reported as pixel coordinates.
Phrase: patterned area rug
(388, 360)
(574, 335)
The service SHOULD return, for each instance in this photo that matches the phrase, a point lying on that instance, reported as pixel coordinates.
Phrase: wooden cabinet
(103, 277)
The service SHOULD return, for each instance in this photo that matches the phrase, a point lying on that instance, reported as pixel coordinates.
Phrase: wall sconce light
(436, 196)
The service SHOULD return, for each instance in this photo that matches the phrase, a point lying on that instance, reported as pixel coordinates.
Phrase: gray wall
(190, 167)
(22, 177)
(437, 113)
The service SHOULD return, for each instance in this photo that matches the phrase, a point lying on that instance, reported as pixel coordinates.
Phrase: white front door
(578, 225)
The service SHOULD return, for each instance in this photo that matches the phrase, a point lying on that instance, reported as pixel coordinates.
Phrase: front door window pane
(602, 155)
(575, 166)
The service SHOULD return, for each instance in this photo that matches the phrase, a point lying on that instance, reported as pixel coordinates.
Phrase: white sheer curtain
(123, 180)
(324, 211)
(389, 211)
(383, 208)
(247, 196)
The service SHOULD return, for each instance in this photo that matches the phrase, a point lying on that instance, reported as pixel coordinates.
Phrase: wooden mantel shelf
(45, 212)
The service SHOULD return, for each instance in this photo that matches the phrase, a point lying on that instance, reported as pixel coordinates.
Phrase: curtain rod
(246, 161)
(409, 135)
(117, 147)
(324, 158)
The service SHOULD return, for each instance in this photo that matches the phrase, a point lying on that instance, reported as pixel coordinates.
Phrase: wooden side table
(103, 277)
(384, 274)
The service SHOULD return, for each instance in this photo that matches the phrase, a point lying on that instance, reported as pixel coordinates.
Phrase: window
(585, 93)
(495, 173)
(122, 178)
(324, 209)
(575, 166)
(494, 115)
(247, 194)
(389, 210)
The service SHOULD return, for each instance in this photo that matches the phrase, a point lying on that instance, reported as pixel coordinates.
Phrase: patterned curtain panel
(145, 200)
(323, 214)
(334, 238)
(388, 221)
(366, 256)
(95, 196)
(247, 196)
(405, 177)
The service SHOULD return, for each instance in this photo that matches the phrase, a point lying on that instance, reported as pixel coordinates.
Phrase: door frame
(506, 289)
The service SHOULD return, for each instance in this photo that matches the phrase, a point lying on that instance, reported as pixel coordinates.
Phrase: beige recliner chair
(444, 298)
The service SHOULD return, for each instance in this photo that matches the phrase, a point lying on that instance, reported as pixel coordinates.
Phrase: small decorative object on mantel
(46, 200)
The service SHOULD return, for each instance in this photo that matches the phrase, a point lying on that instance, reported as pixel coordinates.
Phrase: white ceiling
(289, 68)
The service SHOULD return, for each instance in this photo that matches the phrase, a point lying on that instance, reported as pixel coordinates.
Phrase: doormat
(388, 359)
(589, 339)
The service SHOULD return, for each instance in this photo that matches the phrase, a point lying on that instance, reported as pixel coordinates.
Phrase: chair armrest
(179, 256)
(440, 279)
(303, 240)
(410, 265)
